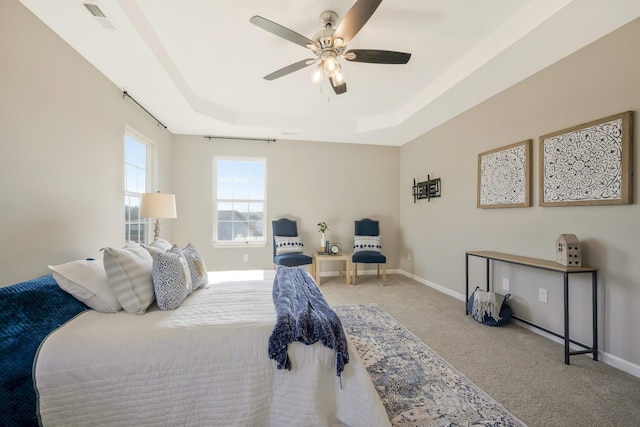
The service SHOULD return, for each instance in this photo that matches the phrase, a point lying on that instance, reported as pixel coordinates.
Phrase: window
(240, 200)
(137, 153)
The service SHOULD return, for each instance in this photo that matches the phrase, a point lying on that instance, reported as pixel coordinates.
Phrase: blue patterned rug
(416, 386)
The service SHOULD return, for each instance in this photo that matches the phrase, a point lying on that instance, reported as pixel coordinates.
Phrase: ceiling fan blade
(378, 56)
(290, 69)
(355, 19)
(340, 89)
(281, 31)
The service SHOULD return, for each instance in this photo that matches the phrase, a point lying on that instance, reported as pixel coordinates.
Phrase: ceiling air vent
(97, 13)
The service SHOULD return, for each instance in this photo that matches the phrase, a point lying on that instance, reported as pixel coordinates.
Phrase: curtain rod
(267, 140)
(125, 93)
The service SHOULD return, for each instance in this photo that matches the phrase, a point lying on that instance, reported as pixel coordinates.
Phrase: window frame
(150, 175)
(247, 243)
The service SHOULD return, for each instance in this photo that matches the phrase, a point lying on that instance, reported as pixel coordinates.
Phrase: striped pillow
(129, 274)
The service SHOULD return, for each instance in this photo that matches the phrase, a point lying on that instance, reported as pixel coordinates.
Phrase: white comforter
(203, 364)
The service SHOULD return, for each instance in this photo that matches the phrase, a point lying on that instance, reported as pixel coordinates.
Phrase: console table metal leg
(466, 286)
(566, 318)
(594, 299)
(488, 273)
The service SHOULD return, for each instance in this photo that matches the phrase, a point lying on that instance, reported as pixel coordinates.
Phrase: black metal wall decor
(426, 189)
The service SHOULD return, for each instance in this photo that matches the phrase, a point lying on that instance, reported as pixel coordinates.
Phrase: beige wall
(598, 81)
(61, 150)
(61, 166)
(307, 181)
(61, 180)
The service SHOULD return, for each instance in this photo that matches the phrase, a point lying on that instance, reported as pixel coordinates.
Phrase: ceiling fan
(330, 43)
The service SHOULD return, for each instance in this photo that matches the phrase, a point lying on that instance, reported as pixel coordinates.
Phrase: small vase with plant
(322, 227)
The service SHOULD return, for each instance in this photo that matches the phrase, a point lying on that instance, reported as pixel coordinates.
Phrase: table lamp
(158, 205)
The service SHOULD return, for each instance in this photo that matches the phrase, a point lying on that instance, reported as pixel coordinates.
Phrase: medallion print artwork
(503, 177)
(585, 164)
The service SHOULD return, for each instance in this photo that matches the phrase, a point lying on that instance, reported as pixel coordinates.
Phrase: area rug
(416, 385)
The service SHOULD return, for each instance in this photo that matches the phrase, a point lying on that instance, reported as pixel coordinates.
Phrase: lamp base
(156, 230)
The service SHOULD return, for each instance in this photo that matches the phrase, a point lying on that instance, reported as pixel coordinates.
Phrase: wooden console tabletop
(551, 266)
(531, 262)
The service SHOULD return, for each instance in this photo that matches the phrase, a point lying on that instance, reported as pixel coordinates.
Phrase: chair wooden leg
(378, 265)
(355, 272)
(384, 274)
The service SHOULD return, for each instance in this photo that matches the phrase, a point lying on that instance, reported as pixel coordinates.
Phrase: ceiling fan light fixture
(339, 77)
(318, 73)
(331, 65)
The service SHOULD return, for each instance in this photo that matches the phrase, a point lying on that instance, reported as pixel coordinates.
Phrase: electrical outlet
(245, 258)
(542, 295)
(505, 284)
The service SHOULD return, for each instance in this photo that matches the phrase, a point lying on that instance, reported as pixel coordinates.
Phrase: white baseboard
(361, 273)
(604, 357)
(609, 359)
(435, 286)
(623, 365)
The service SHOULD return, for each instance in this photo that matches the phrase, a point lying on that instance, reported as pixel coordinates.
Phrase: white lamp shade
(158, 205)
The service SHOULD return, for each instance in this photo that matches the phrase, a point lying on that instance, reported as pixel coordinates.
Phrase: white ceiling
(197, 65)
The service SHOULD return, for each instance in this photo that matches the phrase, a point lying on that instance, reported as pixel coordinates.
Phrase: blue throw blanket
(29, 311)
(303, 315)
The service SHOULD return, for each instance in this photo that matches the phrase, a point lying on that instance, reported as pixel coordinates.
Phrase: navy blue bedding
(29, 311)
(303, 315)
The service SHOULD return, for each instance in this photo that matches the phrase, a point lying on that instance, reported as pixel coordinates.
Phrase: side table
(320, 258)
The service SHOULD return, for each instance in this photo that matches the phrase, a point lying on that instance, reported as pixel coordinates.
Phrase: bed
(204, 363)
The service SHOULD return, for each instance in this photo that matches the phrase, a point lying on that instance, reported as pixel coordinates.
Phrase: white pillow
(161, 244)
(87, 281)
(171, 279)
(197, 269)
(288, 245)
(129, 274)
(156, 246)
(367, 243)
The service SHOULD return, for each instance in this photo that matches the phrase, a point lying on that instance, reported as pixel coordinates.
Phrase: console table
(550, 266)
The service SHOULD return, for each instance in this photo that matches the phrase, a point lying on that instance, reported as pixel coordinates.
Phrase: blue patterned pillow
(171, 279)
(288, 245)
(367, 243)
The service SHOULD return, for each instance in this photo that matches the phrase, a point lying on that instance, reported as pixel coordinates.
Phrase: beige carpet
(523, 371)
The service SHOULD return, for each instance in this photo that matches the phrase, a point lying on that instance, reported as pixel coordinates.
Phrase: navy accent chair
(287, 228)
(368, 227)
